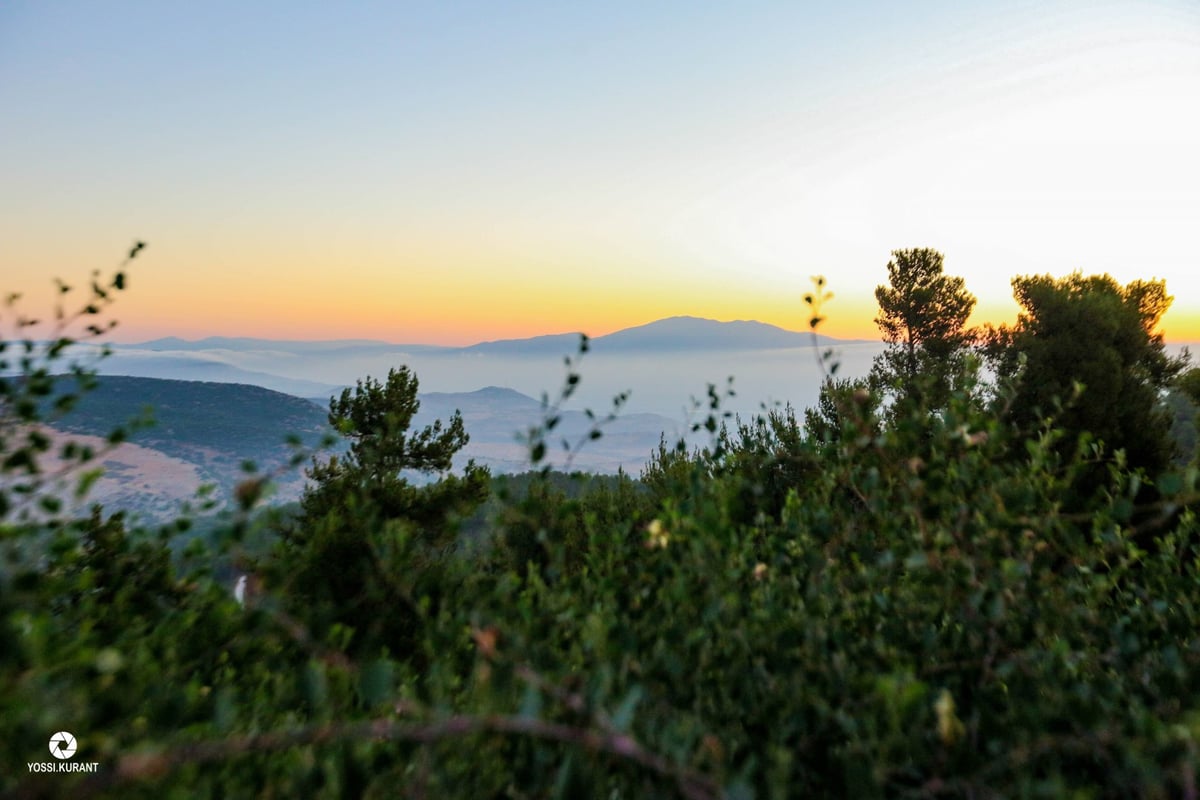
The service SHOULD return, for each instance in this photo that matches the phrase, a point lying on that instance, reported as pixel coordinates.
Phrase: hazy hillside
(138, 479)
(495, 417)
(199, 364)
(556, 344)
(206, 430)
(213, 426)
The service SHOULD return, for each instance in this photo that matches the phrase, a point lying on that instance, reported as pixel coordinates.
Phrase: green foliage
(922, 315)
(762, 461)
(538, 438)
(1090, 346)
(33, 391)
(839, 404)
(362, 523)
(369, 478)
(869, 604)
(547, 518)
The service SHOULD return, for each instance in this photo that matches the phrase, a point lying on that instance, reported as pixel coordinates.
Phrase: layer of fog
(658, 382)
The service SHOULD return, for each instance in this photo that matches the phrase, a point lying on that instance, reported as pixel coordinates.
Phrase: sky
(454, 172)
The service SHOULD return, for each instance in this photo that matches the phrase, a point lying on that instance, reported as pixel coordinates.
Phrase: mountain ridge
(290, 346)
(674, 333)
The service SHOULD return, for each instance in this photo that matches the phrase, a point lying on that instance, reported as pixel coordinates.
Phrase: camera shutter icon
(63, 745)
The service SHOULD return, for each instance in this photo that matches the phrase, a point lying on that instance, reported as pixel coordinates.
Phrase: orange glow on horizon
(451, 324)
(463, 298)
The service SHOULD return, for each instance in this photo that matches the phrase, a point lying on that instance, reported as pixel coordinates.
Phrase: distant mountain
(244, 344)
(556, 344)
(194, 366)
(695, 333)
(489, 400)
(672, 334)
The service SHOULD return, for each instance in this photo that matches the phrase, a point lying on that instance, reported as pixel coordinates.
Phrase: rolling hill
(214, 427)
(204, 431)
(200, 365)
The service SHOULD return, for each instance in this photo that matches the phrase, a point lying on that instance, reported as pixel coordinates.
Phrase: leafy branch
(28, 383)
(535, 439)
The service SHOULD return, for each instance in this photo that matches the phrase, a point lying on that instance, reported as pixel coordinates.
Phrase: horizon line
(591, 337)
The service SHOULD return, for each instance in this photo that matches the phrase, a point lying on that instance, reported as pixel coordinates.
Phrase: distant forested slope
(216, 426)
